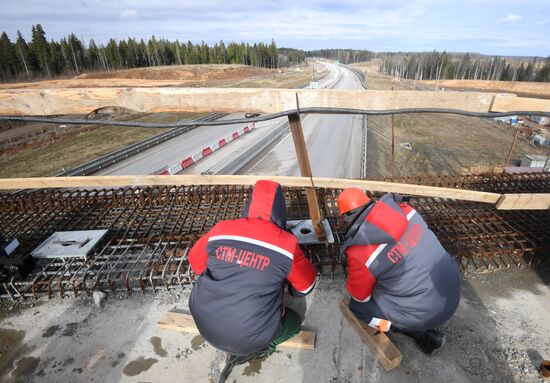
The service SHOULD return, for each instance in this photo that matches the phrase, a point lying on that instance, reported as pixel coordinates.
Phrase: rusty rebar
(151, 229)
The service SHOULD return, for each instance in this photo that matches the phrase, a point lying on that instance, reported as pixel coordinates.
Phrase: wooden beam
(80, 83)
(384, 350)
(508, 102)
(511, 151)
(53, 101)
(182, 322)
(305, 170)
(334, 183)
(524, 201)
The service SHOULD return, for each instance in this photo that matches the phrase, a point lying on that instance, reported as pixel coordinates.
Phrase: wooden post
(305, 170)
(392, 147)
(546, 167)
(509, 156)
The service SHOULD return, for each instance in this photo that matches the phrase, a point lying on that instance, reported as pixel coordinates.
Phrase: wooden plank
(182, 322)
(98, 83)
(300, 146)
(54, 101)
(507, 103)
(399, 188)
(114, 181)
(178, 321)
(384, 350)
(524, 201)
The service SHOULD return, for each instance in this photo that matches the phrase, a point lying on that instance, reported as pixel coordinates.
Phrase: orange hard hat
(351, 198)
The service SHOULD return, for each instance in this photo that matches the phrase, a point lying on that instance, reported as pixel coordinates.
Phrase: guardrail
(203, 153)
(359, 75)
(306, 85)
(128, 151)
(235, 163)
(364, 137)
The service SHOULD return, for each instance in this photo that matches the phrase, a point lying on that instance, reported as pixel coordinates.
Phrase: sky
(495, 27)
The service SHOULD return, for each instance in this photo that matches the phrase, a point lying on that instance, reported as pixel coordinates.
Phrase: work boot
(233, 360)
(431, 342)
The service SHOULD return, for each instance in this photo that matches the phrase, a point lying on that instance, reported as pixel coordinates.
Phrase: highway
(333, 142)
(152, 160)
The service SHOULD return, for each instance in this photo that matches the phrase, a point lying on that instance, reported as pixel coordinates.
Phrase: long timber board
(526, 201)
(58, 101)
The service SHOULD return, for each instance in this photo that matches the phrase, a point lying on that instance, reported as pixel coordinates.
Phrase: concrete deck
(499, 333)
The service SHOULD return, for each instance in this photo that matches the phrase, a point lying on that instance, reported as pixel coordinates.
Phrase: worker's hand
(381, 325)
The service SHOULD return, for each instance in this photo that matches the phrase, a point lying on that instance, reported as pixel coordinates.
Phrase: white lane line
(275, 147)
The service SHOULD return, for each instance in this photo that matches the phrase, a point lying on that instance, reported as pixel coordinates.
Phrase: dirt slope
(521, 88)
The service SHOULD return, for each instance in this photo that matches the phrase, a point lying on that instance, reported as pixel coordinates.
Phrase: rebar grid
(493, 182)
(151, 229)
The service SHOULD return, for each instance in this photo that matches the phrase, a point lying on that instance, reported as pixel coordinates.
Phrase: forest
(345, 56)
(40, 58)
(443, 65)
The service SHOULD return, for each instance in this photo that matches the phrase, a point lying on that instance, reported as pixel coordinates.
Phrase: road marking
(275, 147)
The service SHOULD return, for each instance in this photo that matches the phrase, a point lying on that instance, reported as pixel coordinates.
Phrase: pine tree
(8, 58)
(22, 50)
(40, 48)
(92, 56)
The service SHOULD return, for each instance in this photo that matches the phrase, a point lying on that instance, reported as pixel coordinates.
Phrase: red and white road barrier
(186, 162)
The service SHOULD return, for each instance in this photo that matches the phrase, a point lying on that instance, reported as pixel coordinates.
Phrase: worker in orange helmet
(399, 275)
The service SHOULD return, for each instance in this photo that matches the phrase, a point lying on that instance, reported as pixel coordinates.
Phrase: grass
(441, 144)
(49, 157)
(287, 80)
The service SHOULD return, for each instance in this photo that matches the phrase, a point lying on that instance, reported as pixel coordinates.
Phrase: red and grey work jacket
(237, 302)
(394, 259)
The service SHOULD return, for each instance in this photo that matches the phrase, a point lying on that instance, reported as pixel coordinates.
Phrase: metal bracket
(305, 232)
(68, 244)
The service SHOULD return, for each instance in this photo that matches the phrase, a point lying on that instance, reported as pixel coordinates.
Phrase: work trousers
(290, 326)
(368, 310)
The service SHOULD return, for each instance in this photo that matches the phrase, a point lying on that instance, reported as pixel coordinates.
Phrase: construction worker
(399, 275)
(243, 265)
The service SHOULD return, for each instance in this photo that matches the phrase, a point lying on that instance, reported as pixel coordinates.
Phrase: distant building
(511, 120)
(540, 120)
(539, 140)
(533, 161)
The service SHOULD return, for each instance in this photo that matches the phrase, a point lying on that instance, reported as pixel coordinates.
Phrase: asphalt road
(340, 134)
(228, 152)
(174, 150)
(333, 141)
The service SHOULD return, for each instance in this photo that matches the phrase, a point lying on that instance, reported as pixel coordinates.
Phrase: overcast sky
(502, 27)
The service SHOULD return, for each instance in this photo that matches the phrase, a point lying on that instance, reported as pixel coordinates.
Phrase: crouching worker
(399, 275)
(244, 265)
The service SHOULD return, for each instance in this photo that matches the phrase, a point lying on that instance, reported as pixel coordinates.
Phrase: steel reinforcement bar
(150, 231)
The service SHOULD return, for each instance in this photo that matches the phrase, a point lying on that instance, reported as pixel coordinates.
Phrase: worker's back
(237, 302)
(413, 280)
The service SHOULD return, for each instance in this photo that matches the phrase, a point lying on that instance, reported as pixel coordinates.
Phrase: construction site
(109, 180)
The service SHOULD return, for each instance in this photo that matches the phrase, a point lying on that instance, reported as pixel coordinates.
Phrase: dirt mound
(521, 88)
(181, 72)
